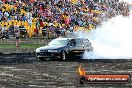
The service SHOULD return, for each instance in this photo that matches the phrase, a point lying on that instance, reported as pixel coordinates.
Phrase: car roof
(64, 38)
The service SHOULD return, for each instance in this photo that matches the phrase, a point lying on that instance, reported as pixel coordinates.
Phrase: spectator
(17, 35)
(68, 13)
(36, 31)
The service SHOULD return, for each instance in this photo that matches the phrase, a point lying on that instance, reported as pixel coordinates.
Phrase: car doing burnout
(62, 48)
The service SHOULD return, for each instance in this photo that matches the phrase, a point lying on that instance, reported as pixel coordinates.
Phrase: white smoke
(128, 1)
(112, 40)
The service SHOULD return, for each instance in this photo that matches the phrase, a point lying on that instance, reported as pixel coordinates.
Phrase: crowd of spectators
(64, 15)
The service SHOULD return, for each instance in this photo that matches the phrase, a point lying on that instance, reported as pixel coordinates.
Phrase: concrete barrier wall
(25, 41)
(22, 50)
(17, 50)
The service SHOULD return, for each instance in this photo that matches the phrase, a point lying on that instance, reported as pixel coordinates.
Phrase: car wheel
(63, 56)
(40, 58)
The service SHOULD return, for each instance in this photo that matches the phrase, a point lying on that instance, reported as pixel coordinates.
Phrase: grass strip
(21, 46)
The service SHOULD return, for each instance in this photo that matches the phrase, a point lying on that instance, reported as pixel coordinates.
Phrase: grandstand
(60, 14)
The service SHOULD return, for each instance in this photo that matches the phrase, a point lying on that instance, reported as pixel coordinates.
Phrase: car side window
(79, 42)
(72, 42)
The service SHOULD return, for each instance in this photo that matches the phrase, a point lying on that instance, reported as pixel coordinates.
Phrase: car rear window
(86, 42)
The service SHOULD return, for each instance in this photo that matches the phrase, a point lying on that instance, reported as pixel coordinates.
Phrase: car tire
(40, 58)
(63, 56)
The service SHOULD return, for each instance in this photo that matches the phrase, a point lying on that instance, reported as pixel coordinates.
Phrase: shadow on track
(78, 59)
(30, 58)
(17, 58)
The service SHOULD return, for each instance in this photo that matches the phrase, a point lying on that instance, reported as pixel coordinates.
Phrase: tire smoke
(112, 40)
(128, 1)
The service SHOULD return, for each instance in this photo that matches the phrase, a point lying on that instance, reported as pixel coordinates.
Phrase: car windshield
(56, 42)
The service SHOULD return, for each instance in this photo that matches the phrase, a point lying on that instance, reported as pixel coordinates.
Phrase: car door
(87, 45)
(76, 47)
(72, 47)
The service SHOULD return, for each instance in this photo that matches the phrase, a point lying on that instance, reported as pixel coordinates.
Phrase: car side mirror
(71, 45)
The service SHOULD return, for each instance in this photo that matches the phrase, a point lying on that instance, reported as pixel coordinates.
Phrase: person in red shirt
(36, 31)
(41, 23)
